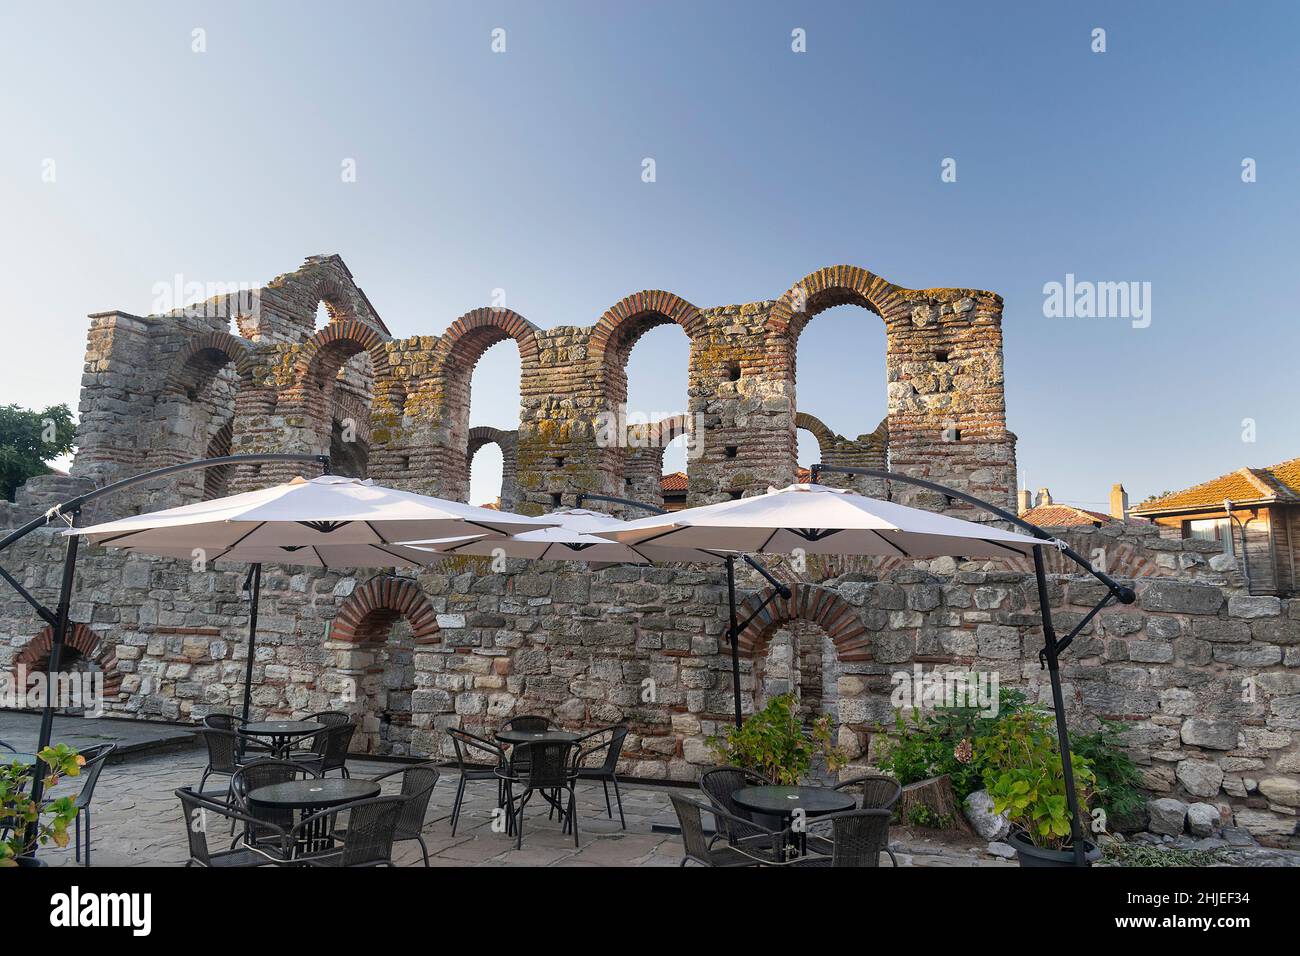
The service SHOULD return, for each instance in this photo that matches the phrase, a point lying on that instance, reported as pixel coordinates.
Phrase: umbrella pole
(254, 593)
(1058, 703)
(735, 650)
(52, 667)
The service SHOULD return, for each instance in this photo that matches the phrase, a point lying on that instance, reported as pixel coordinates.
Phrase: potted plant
(18, 812)
(774, 742)
(1023, 773)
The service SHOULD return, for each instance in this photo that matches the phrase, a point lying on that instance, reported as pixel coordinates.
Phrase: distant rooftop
(1247, 486)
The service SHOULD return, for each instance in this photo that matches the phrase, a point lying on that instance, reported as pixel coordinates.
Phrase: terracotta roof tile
(1065, 516)
(676, 481)
(1245, 486)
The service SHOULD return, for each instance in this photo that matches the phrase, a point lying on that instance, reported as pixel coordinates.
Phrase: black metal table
(535, 736)
(311, 796)
(786, 802)
(281, 733)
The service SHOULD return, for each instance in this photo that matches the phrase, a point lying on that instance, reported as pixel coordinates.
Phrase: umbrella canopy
(572, 539)
(330, 510)
(821, 520)
(325, 556)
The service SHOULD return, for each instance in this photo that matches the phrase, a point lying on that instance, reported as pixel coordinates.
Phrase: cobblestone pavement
(136, 821)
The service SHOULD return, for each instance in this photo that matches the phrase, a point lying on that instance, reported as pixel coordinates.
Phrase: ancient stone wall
(1207, 676)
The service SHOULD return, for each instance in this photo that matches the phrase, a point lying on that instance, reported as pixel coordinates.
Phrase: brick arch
(203, 356)
(324, 353)
(832, 286)
(35, 654)
(481, 435)
(807, 602)
(658, 434)
(630, 318)
(826, 439)
(466, 339)
(374, 607)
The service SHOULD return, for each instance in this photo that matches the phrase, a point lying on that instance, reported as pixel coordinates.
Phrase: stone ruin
(1206, 675)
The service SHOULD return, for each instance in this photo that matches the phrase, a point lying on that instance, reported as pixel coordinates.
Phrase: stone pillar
(114, 408)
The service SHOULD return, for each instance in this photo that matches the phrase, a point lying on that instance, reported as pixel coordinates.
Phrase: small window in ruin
(406, 462)
(730, 451)
(556, 499)
(941, 355)
(732, 371)
(736, 494)
(559, 461)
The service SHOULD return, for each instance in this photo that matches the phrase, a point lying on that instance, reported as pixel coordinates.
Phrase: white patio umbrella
(572, 539)
(331, 521)
(821, 520)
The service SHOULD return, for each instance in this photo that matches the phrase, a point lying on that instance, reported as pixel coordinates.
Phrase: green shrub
(773, 742)
(943, 741)
(1118, 791)
(1024, 775)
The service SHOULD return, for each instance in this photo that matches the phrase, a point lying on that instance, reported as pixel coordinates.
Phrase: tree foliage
(28, 439)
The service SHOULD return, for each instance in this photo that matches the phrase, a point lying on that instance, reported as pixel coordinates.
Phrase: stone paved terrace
(137, 822)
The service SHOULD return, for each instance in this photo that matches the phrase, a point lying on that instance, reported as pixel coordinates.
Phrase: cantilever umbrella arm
(1052, 647)
(69, 511)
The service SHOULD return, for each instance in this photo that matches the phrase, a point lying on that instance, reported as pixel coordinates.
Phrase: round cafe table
(785, 802)
(281, 733)
(534, 736)
(311, 796)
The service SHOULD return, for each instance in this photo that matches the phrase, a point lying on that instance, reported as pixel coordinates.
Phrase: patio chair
(223, 757)
(234, 724)
(317, 741)
(879, 791)
(466, 745)
(700, 849)
(858, 839)
(95, 758)
(329, 749)
(588, 744)
(417, 786)
(198, 813)
(551, 770)
(737, 824)
(368, 840)
(264, 773)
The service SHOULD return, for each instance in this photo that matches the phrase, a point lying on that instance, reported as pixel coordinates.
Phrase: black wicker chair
(879, 792)
(594, 743)
(368, 840)
(329, 749)
(417, 786)
(700, 849)
(551, 770)
(248, 747)
(467, 745)
(198, 815)
(223, 757)
(264, 773)
(95, 758)
(858, 838)
(737, 825)
(316, 742)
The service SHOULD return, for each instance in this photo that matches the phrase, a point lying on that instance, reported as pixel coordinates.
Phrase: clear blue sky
(522, 171)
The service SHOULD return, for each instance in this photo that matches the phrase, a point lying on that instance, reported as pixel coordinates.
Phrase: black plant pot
(1030, 855)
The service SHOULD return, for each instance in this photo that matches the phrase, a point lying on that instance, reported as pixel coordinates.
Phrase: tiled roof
(803, 476)
(673, 482)
(1058, 515)
(1245, 486)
